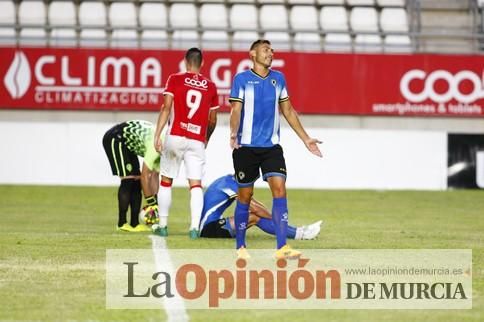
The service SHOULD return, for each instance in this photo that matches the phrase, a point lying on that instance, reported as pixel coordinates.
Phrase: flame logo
(18, 77)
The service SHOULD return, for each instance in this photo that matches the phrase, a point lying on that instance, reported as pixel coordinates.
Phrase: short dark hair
(258, 42)
(194, 57)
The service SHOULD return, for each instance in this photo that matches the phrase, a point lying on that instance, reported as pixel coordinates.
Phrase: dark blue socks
(280, 219)
(241, 222)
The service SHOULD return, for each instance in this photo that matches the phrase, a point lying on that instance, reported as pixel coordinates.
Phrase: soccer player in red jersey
(190, 110)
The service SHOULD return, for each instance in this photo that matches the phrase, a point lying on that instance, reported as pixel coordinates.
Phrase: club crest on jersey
(274, 82)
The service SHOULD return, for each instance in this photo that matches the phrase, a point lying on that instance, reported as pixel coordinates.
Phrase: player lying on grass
(220, 194)
(123, 143)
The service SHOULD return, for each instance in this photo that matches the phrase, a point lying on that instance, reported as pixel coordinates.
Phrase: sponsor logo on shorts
(129, 167)
(241, 175)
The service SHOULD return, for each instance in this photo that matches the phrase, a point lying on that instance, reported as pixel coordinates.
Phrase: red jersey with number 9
(193, 97)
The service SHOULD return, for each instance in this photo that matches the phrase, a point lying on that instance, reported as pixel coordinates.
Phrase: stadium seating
(361, 2)
(273, 17)
(32, 18)
(124, 39)
(93, 38)
(215, 40)
(391, 3)
(123, 15)
(304, 18)
(32, 13)
(63, 37)
(92, 14)
(62, 17)
(368, 43)
(307, 41)
(183, 18)
(243, 39)
(7, 16)
(394, 20)
(304, 21)
(243, 16)
(333, 19)
(280, 40)
(183, 15)
(33, 37)
(62, 13)
(183, 39)
(337, 42)
(397, 43)
(331, 2)
(92, 20)
(272, 1)
(302, 25)
(153, 15)
(7, 36)
(213, 16)
(364, 19)
(7, 12)
(154, 39)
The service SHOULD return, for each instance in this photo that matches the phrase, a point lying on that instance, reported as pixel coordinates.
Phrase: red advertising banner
(344, 84)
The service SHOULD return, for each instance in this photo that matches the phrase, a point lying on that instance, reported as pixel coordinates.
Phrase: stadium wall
(71, 153)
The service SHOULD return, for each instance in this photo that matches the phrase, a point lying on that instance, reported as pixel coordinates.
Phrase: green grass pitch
(53, 242)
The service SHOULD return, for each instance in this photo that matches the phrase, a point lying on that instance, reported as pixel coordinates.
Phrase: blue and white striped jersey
(260, 97)
(217, 198)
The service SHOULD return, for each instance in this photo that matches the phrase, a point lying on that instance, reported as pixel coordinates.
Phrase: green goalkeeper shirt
(138, 136)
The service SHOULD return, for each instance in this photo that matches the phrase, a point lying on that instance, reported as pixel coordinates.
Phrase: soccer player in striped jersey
(123, 143)
(190, 109)
(256, 97)
(220, 194)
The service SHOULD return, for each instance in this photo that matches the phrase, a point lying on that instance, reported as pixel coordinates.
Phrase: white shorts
(177, 149)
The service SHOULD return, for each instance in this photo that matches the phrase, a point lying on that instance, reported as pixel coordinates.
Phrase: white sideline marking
(174, 307)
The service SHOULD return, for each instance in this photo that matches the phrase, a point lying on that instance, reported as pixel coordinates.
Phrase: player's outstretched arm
(165, 111)
(235, 123)
(292, 118)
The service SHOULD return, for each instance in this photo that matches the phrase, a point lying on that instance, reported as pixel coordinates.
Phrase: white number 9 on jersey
(194, 98)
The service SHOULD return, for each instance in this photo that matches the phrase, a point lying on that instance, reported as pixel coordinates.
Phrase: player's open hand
(312, 145)
(233, 142)
(158, 145)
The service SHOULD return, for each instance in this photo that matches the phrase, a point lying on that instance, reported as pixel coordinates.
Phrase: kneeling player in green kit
(123, 144)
